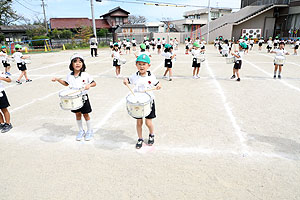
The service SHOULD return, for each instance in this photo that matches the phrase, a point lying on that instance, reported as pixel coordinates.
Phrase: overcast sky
(81, 8)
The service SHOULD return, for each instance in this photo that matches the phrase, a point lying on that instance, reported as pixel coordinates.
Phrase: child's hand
(54, 79)
(125, 81)
(87, 87)
(158, 87)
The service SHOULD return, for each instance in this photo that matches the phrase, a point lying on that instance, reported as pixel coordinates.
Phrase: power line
(27, 7)
(30, 3)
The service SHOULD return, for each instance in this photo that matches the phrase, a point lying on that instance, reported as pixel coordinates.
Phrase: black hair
(226, 41)
(167, 50)
(114, 48)
(280, 43)
(93, 35)
(143, 50)
(73, 61)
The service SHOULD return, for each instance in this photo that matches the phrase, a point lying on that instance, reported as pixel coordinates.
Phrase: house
(116, 17)
(16, 32)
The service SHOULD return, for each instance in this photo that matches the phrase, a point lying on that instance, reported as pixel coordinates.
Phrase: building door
(269, 27)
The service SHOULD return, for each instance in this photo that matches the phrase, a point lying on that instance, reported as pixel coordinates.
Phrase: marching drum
(123, 61)
(201, 58)
(71, 99)
(292, 46)
(27, 61)
(279, 60)
(230, 60)
(139, 105)
(10, 60)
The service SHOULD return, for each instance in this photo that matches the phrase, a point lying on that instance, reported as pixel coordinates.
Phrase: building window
(153, 29)
(197, 16)
(119, 21)
(191, 17)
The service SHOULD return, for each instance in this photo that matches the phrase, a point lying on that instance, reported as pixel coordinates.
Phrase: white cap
(76, 55)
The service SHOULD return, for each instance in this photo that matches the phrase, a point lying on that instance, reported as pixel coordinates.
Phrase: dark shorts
(203, 47)
(111, 46)
(275, 44)
(124, 45)
(21, 66)
(127, 48)
(168, 63)
(251, 45)
(297, 46)
(116, 63)
(187, 47)
(195, 64)
(3, 100)
(134, 44)
(147, 46)
(238, 64)
(5, 64)
(268, 47)
(159, 46)
(152, 114)
(247, 47)
(86, 108)
(220, 47)
(260, 44)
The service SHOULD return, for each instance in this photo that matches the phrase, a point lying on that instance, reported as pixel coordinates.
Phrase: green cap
(202, 38)
(18, 46)
(171, 38)
(217, 38)
(276, 37)
(167, 46)
(127, 40)
(147, 38)
(143, 58)
(133, 38)
(186, 38)
(118, 38)
(158, 38)
(243, 45)
(196, 44)
(163, 38)
(3, 47)
(116, 44)
(143, 46)
(262, 37)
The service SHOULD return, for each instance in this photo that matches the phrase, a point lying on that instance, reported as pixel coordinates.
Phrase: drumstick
(150, 89)
(76, 91)
(130, 89)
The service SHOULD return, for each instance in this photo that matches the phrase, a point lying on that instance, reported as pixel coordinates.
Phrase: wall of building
(264, 21)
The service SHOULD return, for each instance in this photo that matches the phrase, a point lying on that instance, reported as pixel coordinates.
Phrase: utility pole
(208, 20)
(45, 19)
(93, 18)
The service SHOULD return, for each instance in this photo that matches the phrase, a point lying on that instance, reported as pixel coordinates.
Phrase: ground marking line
(273, 58)
(267, 73)
(232, 118)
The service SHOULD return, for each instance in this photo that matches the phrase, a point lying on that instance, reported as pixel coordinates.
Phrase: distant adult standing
(93, 46)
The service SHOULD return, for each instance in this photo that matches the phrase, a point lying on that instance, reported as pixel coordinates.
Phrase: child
(251, 43)
(158, 45)
(196, 52)
(19, 58)
(247, 45)
(111, 44)
(297, 43)
(216, 42)
(147, 43)
(128, 44)
(225, 48)
(163, 42)
(119, 45)
(79, 79)
(176, 43)
(5, 126)
(270, 44)
(144, 80)
(260, 43)
(116, 59)
(93, 45)
(3, 58)
(133, 41)
(168, 60)
(153, 44)
(203, 43)
(238, 63)
(143, 51)
(276, 41)
(124, 44)
(186, 42)
(279, 53)
(220, 45)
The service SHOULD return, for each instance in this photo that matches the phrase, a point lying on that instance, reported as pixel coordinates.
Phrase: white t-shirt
(158, 42)
(261, 41)
(163, 41)
(241, 40)
(94, 41)
(142, 83)
(147, 43)
(280, 52)
(196, 53)
(239, 53)
(18, 57)
(276, 41)
(133, 41)
(225, 47)
(251, 41)
(116, 54)
(167, 55)
(270, 43)
(80, 81)
(3, 75)
(128, 44)
(111, 44)
(3, 56)
(119, 44)
(297, 43)
(186, 43)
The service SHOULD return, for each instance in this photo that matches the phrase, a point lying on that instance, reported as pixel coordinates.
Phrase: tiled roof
(68, 23)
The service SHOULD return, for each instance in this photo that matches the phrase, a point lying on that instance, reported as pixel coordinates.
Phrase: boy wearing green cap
(143, 51)
(158, 45)
(19, 58)
(276, 42)
(144, 80)
(251, 43)
(133, 41)
(128, 45)
(196, 53)
(169, 55)
(260, 43)
(270, 44)
(238, 63)
(4, 60)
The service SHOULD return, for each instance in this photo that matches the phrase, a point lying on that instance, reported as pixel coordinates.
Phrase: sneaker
(28, 80)
(170, 79)
(233, 76)
(279, 76)
(139, 143)
(194, 77)
(164, 77)
(274, 76)
(80, 135)
(2, 126)
(88, 135)
(238, 79)
(197, 76)
(151, 139)
(18, 82)
(6, 128)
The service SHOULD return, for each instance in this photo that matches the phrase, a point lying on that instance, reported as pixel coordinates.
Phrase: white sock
(89, 125)
(79, 123)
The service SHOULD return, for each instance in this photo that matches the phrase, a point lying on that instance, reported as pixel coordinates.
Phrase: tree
(66, 34)
(7, 14)
(84, 33)
(39, 30)
(2, 37)
(102, 32)
(134, 19)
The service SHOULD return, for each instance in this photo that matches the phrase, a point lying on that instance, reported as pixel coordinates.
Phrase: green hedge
(39, 43)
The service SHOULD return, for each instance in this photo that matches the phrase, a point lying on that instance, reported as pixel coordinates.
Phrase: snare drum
(27, 61)
(71, 99)
(279, 60)
(230, 60)
(10, 60)
(139, 105)
(123, 61)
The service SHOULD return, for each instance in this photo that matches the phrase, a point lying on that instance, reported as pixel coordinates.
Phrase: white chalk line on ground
(267, 73)
(266, 55)
(47, 96)
(232, 118)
